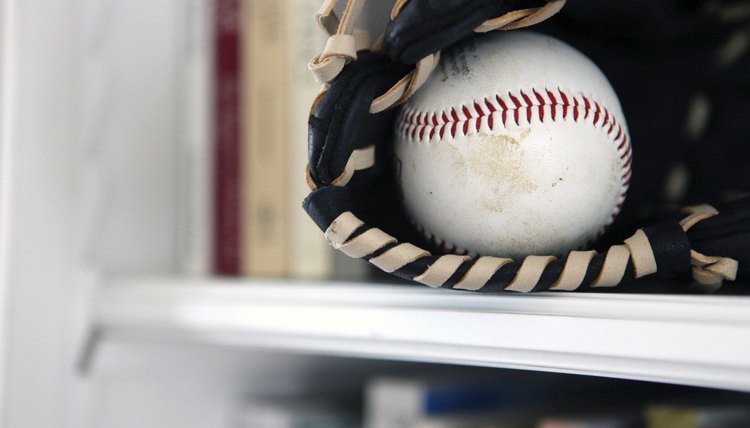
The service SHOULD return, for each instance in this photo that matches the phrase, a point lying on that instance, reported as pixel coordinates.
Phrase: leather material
(341, 121)
(671, 247)
(427, 26)
(326, 203)
(647, 21)
(726, 234)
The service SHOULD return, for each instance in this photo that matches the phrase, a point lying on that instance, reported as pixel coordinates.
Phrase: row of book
(478, 403)
(249, 161)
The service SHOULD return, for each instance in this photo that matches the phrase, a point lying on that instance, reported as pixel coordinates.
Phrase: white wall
(36, 176)
(127, 84)
(5, 86)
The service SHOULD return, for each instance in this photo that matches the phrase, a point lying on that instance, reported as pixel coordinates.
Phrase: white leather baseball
(516, 145)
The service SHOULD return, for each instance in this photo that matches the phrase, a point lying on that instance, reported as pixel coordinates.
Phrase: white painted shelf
(692, 340)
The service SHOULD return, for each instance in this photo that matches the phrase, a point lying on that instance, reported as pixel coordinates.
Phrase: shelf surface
(692, 340)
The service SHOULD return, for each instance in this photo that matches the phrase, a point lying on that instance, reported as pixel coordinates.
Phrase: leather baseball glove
(665, 59)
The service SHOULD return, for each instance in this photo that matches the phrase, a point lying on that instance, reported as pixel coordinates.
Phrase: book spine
(310, 254)
(227, 71)
(264, 186)
(194, 157)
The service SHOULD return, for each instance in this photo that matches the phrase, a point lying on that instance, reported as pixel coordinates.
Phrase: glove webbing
(664, 248)
(345, 40)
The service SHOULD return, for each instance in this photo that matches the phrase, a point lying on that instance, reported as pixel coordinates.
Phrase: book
(509, 420)
(194, 148)
(404, 402)
(592, 421)
(294, 414)
(227, 150)
(455, 399)
(264, 135)
(310, 254)
(671, 416)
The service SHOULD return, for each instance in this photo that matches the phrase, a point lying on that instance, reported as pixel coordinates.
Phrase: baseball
(516, 145)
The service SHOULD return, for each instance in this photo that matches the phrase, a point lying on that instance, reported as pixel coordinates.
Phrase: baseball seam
(522, 108)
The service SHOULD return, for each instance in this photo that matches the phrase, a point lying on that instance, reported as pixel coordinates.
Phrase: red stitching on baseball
(538, 97)
(619, 134)
(596, 113)
(587, 107)
(414, 122)
(626, 154)
(606, 120)
(628, 162)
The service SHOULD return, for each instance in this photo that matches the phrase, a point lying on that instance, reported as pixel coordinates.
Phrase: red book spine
(227, 64)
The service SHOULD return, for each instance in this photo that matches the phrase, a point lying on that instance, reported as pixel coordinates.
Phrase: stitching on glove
(637, 251)
(522, 18)
(708, 271)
